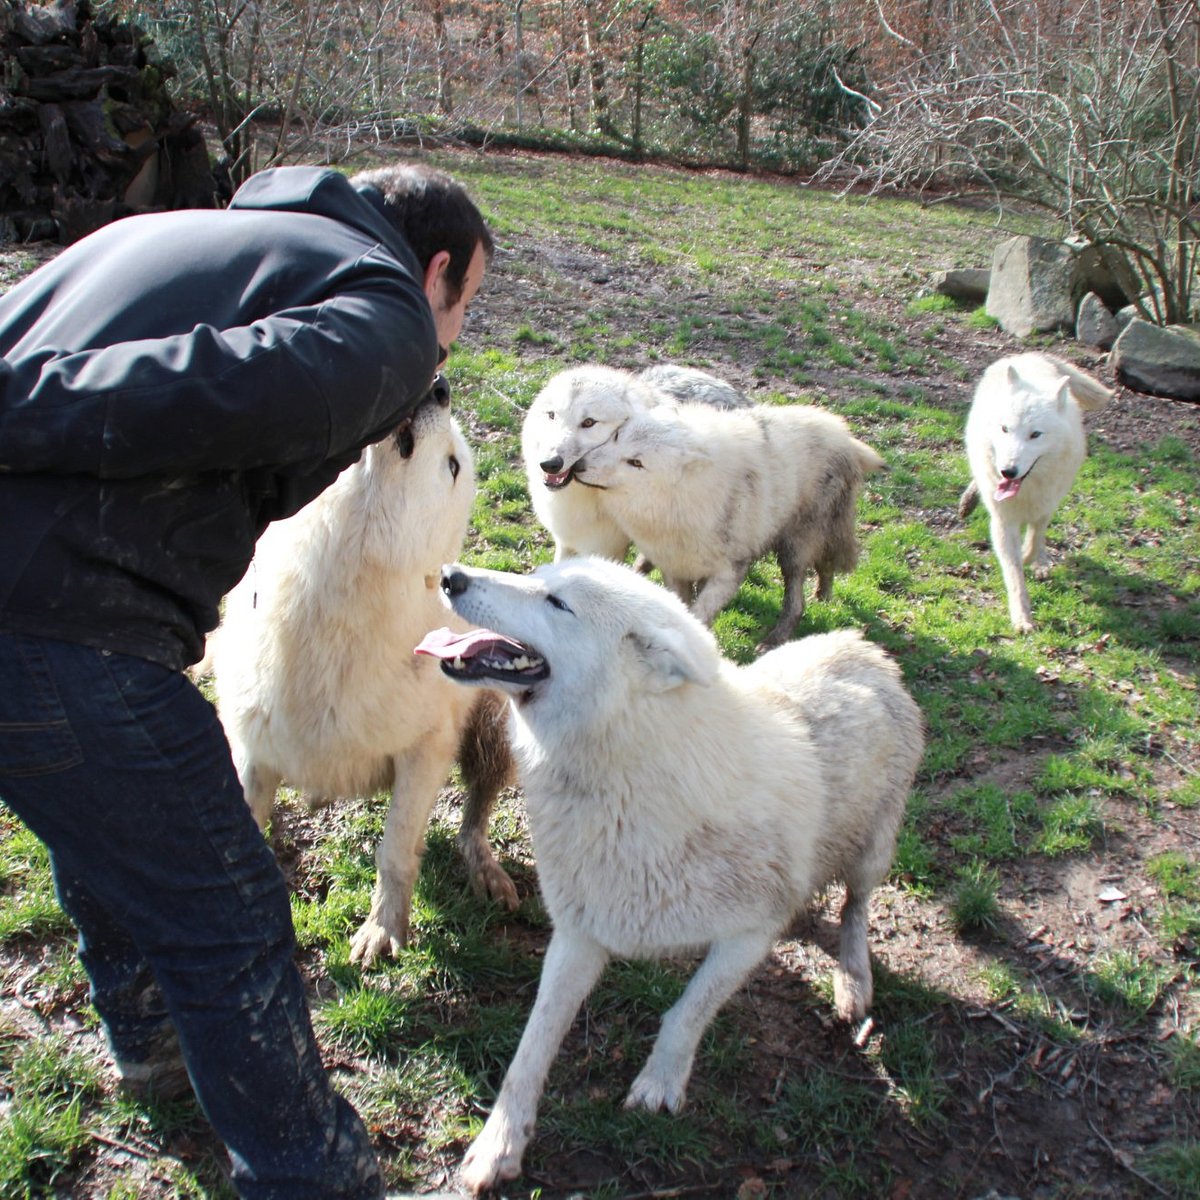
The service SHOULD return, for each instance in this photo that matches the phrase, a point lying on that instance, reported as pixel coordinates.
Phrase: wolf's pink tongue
(1007, 488)
(446, 643)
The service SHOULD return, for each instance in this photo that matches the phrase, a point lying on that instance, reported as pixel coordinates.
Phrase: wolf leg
(663, 1081)
(852, 985)
(793, 566)
(1034, 551)
(1006, 541)
(419, 773)
(717, 592)
(572, 966)
(486, 762)
(259, 783)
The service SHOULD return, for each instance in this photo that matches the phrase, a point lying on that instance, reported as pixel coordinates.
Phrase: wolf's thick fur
(676, 801)
(704, 492)
(578, 410)
(316, 680)
(1025, 444)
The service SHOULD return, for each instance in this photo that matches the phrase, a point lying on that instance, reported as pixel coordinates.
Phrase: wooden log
(88, 130)
(75, 84)
(56, 141)
(38, 25)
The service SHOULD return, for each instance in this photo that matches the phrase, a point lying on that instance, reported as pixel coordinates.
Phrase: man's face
(449, 317)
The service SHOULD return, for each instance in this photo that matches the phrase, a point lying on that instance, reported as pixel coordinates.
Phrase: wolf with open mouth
(675, 800)
(1025, 444)
(581, 409)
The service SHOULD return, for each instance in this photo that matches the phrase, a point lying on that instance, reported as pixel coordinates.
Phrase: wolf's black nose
(552, 466)
(1009, 472)
(454, 581)
(439, 391)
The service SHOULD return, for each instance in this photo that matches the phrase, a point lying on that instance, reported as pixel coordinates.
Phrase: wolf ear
(1064, 396)
(1014, 377)
(672, 656)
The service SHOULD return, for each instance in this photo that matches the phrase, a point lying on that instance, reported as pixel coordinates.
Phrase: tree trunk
(597, 72)
(746, 101)
(639, 79)
(519, 50)
(571, 73)
(444, 99)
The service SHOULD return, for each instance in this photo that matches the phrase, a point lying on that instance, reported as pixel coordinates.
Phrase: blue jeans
(121, 768)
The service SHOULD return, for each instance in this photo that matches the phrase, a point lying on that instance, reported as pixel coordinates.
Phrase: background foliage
(1086, 109)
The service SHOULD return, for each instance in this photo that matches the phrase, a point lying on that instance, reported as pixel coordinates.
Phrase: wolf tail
(968, 500)
(1090, 394)
(868, 460)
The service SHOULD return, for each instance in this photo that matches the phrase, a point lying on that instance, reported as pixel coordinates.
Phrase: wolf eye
(587, 422)
(1003, 428)
(1037, 433)
(454, 467)
(560, 604)
(550, 416)
(635, 462)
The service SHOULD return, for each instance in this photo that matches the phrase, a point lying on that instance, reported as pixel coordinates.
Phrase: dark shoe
(158, 1078)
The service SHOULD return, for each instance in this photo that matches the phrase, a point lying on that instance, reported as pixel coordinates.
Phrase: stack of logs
(88, 132)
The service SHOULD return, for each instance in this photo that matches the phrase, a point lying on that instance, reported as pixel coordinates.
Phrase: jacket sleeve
(306, 383)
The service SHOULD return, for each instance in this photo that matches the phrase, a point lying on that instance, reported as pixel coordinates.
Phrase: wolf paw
(851, 996)
(372, 941)
(491, 1158)
(653, 1092)
(491, 879)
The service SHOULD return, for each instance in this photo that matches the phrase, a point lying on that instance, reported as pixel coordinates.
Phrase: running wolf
(1025, 444)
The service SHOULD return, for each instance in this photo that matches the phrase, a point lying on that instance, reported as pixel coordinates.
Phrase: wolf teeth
(521, 663)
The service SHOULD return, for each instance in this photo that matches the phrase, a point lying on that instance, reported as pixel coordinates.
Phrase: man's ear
(671, 657)
(434, 274)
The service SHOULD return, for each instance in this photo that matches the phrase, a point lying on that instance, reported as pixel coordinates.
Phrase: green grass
(1043, 751)
(974, 907)
(43, 1133)
(1176, 1168)
(30, 908)
(1128, 982)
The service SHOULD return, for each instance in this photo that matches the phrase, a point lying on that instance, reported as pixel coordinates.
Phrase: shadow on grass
(1141, 611)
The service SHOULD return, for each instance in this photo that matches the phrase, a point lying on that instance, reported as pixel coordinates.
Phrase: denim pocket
(35, 736)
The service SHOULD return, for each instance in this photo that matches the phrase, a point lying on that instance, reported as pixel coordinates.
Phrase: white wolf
(675, 800)
(705, 492)
(1025, 444)
(315, 677)
(578, 410)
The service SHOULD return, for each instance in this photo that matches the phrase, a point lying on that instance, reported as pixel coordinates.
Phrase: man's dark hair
(434, 213)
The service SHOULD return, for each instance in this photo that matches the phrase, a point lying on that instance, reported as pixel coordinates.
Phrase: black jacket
(174, 382)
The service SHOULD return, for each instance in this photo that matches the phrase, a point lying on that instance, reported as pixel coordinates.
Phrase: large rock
(1094, 324)
(968, 284)
(1034, 286)
(1163, 360)
(1106, 271)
